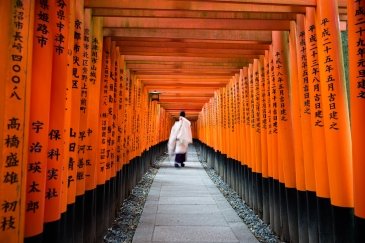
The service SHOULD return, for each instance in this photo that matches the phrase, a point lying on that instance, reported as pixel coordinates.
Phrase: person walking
(180, 138)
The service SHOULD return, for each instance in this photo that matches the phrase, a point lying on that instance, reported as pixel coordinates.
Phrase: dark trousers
(180, 158)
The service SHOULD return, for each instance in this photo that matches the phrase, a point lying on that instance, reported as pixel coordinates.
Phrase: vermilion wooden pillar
(102, 186)
(243, 115)
(256, 114)
(57, 148)
(249, 145)
(317, 125)
(237, 117)
(305, 114)
(15, 61)
(67, 123)
(336, 119)
(256, 120)
(295, 81)
(39, 123)
(275, 216)
(93, 31)
(285, 134)
(268, 218)
(356, 44)
(263, 84)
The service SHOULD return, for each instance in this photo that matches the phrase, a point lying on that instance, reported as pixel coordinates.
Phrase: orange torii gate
(50, 124)
(318, 98)
(263, 82)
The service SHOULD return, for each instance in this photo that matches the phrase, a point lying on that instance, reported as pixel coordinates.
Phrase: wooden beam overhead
(270, 6)
(177, 94)
(238, 35)
(156, 67)
(177, 105)
(182, 90)
(196, 51)
(187, 50)
(192, 54)
(186, 72)
(252, 6)
(184, 99)
(172, 79)
(180, 44)
(107, 12)
(138, 58)
(182, 65)
(183, 76)
(193, 23)
(341, 3)
(196, 85)
(182, 82)
(192, 41)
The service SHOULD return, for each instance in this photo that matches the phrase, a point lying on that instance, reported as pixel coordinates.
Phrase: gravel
(126, 222)
(127, 219)
(259, 228)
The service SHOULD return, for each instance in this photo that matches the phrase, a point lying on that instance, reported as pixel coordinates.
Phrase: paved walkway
(184, 205)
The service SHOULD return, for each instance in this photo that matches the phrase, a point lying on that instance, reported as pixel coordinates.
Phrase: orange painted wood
(56, 194)
(274, 117)
(192, 14)
(240, 60)
(128, 99)
(335, 107)
(246, 102)
(130, 120)
(252, 125)
(15, 60)
(357, 101)
(118, 108)
(84, 16)
(317, 123)
(39, 122)
(227, 35)
(185, 76)
(75, 162)
(110, 155)
(236, 112)
(224, 120)
(242, 126)
(196, 5)
(215, 121)
(124, 83)
(263, 82)
(305, 109)
(257, 114)
(176, 65)
(269, 114)
(285, 135)
(231, 117)
(224, 52)
(68, 106)
(272, 2)
(94, 102)
(204, 14)
(103, 119)
(295, 81)
(194, 23)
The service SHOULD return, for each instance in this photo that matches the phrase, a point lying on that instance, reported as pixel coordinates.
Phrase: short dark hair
(182, 113)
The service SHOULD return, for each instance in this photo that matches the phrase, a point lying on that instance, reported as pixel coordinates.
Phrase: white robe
(180, 137)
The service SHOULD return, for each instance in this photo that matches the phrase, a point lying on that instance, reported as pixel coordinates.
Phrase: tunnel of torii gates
(275, 91)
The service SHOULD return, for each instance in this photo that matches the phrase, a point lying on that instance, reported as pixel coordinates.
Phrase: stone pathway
(184, 205)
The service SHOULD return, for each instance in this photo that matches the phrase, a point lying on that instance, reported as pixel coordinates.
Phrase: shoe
(182, 165)
(177, 165)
